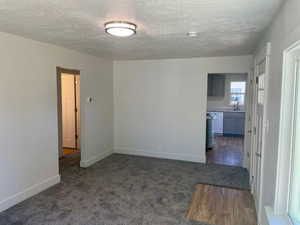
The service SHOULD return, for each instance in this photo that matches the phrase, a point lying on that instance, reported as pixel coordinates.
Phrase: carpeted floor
(123, 190)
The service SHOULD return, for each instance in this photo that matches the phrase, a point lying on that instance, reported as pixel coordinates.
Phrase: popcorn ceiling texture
(226, 27)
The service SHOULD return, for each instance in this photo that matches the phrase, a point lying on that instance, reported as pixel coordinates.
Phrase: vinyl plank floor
(222, 206)
(226, 151)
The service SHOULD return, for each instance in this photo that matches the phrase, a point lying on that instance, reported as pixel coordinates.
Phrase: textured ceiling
(226, 27)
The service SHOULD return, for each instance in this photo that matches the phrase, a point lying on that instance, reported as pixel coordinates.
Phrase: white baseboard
(29, 192)
(162, 155)
(89, 162)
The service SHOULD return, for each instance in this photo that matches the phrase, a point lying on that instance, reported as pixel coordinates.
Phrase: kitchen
(226, 104)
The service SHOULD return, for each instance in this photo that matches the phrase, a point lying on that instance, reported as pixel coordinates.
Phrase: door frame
(286, 128)
(59, 71)
(248, 110)
(263, 54)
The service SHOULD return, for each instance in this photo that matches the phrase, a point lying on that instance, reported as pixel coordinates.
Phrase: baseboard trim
(162, 155)
(89, 162)
(29, 192)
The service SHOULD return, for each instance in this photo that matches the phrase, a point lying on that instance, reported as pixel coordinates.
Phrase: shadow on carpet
(225, 176)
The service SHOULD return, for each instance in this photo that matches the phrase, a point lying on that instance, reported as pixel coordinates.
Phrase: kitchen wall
(284, 31)
(215, 103)
(160, 105)
(29, 127)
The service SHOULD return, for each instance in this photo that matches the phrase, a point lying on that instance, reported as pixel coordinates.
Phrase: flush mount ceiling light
(192, 34)
(120, 28)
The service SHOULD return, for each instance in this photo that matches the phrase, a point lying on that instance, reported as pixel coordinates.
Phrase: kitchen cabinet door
(216, 85)
(234, 123)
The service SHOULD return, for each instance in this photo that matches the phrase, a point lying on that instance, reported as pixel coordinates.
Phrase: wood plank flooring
(226, 151)
(222, 206)
(68, 151)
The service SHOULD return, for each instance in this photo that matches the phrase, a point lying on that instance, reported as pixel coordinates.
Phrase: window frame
(295, 121)
(286, 131)
(237, 93)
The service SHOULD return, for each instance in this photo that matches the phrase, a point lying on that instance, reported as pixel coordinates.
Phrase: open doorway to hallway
(226, 113)
(68, 115)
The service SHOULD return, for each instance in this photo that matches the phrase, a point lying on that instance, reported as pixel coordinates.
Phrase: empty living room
(150, 112)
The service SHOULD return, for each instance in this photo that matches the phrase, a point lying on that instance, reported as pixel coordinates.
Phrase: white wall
(215, 103)
(284, 31)
(160, 105)
(28, 112)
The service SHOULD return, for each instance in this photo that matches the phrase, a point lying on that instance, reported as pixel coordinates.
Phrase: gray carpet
(122, 190)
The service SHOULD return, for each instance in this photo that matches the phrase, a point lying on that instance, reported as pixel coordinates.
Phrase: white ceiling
(226, 27)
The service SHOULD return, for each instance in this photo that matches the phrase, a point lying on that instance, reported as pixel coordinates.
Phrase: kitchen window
(237, 92)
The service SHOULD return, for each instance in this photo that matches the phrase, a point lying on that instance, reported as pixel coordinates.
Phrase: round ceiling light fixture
(120, 28)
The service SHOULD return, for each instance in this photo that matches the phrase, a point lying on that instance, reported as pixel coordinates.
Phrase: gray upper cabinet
(216, 85)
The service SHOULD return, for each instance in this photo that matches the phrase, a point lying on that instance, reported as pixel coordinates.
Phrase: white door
(248, 120)
(259, 124)
(68, 111)
(259, 131)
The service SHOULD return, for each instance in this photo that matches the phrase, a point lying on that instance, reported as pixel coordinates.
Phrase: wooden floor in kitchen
(226, 151)
(222, 206)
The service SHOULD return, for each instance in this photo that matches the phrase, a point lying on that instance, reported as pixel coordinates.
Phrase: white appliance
(217, 123)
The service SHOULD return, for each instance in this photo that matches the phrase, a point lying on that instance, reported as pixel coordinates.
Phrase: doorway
(226, 118)
(68, 81)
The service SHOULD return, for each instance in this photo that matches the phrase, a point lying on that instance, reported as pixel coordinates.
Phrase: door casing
(257, 158)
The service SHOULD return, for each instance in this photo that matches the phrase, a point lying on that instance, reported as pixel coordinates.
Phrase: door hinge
(256, 80)
(76, 136)
(254, 130)
(76, 110)
(252, 179)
